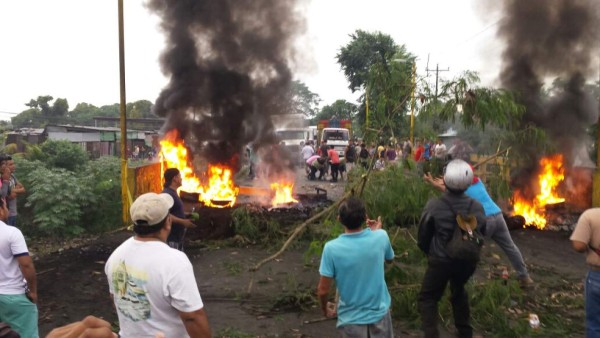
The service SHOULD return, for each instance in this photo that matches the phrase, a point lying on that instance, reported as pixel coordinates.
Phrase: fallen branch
(491, 157)
(318, 320)
(299, 229)
(362, 183)
(45, 271)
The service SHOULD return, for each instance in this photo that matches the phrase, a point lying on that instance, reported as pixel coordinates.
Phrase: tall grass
(398, 194)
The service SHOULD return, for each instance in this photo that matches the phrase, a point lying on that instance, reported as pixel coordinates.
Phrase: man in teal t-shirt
(355, 260)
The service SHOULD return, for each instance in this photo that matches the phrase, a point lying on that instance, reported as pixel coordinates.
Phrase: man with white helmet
(436, 228)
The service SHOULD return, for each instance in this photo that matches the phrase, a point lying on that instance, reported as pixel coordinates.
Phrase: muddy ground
(72, 283)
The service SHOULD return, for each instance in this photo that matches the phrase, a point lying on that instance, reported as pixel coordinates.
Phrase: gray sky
(69, 48)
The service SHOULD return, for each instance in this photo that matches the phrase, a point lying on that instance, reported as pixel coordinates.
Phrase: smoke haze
(229, 67)
(546, 39)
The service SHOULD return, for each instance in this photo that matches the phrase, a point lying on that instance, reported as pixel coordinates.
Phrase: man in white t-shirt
(152, 285)
(18, 282)
(439, 151)
(307, 152)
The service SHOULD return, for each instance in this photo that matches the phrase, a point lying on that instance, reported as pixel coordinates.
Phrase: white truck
(292, 131)
(337, 134)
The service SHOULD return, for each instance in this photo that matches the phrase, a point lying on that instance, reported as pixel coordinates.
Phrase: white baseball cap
(151, 208)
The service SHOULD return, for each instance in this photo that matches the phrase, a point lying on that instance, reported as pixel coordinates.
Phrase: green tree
(28, 118)
(340, 108)
(110, 110)
(84, 113)
(60, 154)
(303, 100)
(496, 111)
(140, 109)
(362, 52)
(375, 63)
(60, 108)
(40, 112)
(462, 99)
(44, 105)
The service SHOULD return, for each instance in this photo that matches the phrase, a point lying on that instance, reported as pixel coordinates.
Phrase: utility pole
(596, 176)
(125, 196)
(437, 71)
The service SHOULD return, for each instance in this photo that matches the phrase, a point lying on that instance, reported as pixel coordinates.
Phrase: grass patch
(232, 333)
(233, 268)
(398, 194)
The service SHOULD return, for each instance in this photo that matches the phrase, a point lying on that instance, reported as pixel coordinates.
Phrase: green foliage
(398, 194)
(340, 108)
(233, 333)
(103, 176)
(60, 107)
(361, 53)
(254, 224)
(330, 228)
(245, 222)
(303, 100)
(61, 154)
(64, 203)
(373, 61)
(42, 113)
(474, 106)
(58, 200)
(140, 109)
(27, 118)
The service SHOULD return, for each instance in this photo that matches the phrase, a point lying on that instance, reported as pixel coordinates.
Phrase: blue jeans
(381, 329)
(12, 220)
(497, 230)
(592, 304)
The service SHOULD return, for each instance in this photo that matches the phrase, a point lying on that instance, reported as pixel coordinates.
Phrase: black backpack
(364, 153)
(350, 153)
(464, 245)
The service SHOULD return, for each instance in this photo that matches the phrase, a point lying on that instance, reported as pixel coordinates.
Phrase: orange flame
(282, 193)
(175, 155)
(551, 175)
(219, 192)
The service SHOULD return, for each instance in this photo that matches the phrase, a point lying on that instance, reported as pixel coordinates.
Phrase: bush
(397, 194)
(61, 154)
(59, 202)
(104, 177)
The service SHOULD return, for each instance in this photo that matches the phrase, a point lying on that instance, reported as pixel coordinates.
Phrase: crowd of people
(151, 280)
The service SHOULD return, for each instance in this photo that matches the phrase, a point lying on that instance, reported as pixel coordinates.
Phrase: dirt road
(72, 283)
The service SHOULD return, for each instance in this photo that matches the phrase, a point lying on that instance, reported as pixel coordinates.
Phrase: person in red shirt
(419, 152)
(334, 160)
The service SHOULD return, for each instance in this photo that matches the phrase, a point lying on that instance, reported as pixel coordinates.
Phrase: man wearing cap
(180, 223)
(152, 285)
(436, 228)
(18, 281)
(586, 239)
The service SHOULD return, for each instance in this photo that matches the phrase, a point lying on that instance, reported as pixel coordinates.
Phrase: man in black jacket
(436, 228)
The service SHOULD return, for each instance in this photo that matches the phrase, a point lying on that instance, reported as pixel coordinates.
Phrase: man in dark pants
(436, 228)
(172, 178)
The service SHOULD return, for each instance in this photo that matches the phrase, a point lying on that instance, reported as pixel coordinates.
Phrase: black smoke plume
(228, 62)
(547, 39)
